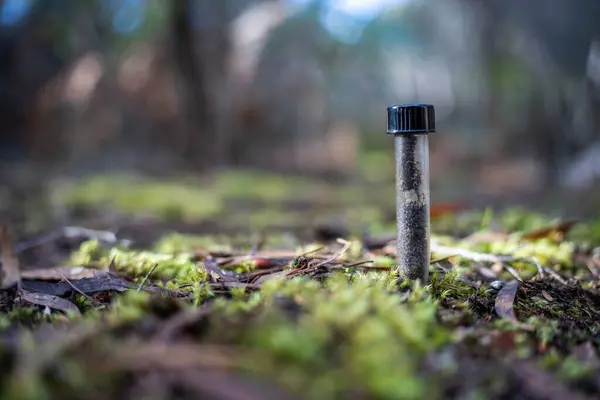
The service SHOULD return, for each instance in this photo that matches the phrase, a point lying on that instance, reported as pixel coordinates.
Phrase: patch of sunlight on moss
(543, 249)
(357, 335)
(167, 199)
(175, 269)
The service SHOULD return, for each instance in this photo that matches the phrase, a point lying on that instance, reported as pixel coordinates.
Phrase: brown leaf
(486, 237)
(102, 281)
(555, 233)
(263, 263)
(211, 266)
(440, 209)
(505, 300)
(51, 301)
(51, 274)
(547, 296)
(10, 276)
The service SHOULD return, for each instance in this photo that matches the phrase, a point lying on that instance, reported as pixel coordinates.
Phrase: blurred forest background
(299, 86)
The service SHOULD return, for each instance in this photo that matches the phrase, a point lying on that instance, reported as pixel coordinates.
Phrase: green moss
(448, 286)
(348, 335)
(545, 250)
(174, 269)
(352, 334)
(130, 306)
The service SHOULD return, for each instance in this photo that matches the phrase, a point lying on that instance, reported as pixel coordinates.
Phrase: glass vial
(410, 125)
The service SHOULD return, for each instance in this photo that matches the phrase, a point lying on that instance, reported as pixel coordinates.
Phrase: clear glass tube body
(412, 205)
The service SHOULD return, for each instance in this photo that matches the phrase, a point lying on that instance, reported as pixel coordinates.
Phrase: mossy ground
(247, 308)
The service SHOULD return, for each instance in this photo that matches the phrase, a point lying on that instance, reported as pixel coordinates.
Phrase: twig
(358, 264)
(513, 272)
(592, 267)
(98, 304)
(495, 258)
(146, 277)
(315, 267)
(112, 267)
(555, 275)
(471, 255)
(539, 266)
(251, 275)
(437, 260)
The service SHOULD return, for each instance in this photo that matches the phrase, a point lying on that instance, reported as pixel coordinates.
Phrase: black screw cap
(411, 118)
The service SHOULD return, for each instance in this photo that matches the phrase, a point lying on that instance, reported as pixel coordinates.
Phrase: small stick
(79, 291)
(146, 277)
(485, 257)
(513, 272)
(539, 266)
(360, 264)
(555, 275)
(315, 267)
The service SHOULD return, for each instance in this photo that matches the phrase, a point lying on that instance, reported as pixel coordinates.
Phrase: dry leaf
(555, 233)
(547, 296)
(52, 274)
(505, 300)
(440, 209)
(51, 301)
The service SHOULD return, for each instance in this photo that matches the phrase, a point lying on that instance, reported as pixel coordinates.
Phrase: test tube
(410, 125)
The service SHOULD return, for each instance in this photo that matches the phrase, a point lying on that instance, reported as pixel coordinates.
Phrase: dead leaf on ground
(51, 301)
(100, 282)
(441, 209)
(547, 296)
(505, 300)
(555, 233)
(216, 273)
(51, 274)
(486, 237)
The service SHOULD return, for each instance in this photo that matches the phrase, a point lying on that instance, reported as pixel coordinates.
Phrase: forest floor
(247, 286)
